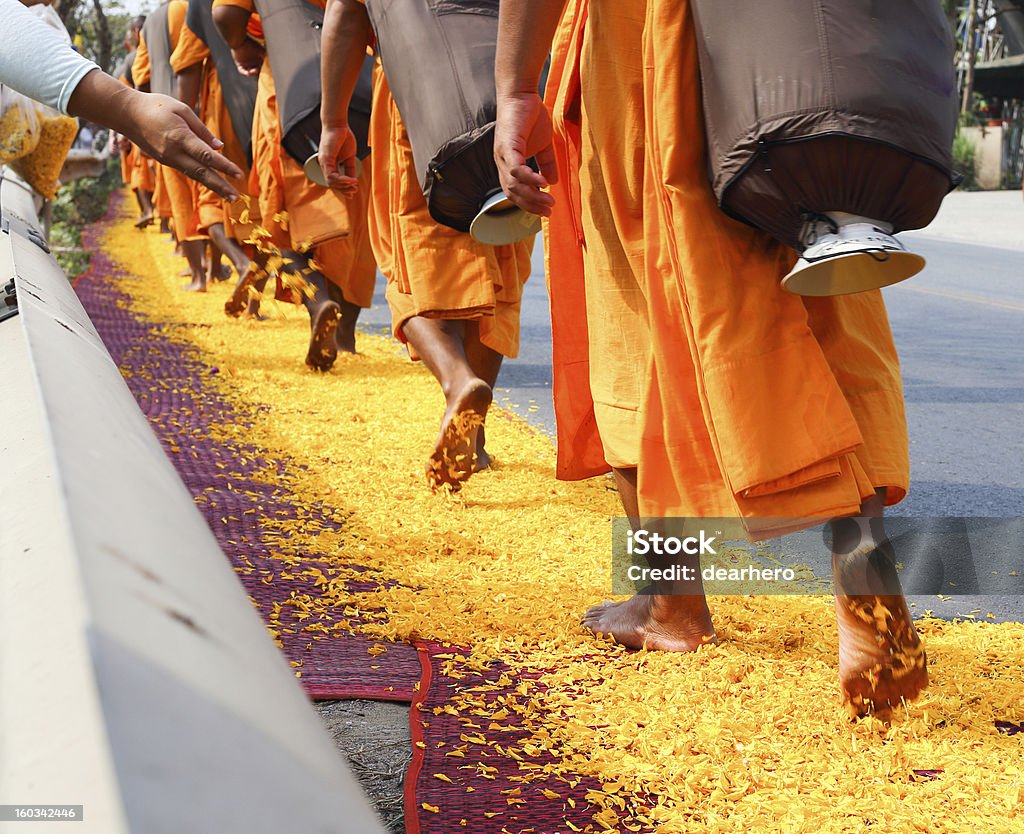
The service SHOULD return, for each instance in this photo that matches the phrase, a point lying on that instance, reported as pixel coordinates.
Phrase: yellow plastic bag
(41, 168)
(19, 125)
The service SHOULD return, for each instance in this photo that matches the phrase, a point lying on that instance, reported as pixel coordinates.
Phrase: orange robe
(141, 70)
(136, 167)
(142, 175)
(210, 207)
(758, 404)
(601, 273)
(161, 200)
(174, 191)
(300, 214)
(432, 270)
(182, 190)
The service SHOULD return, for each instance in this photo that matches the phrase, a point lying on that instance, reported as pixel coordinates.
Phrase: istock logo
(646, 543)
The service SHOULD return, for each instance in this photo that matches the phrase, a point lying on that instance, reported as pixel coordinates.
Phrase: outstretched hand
(163, 127)
(338, 158)
(171, 133)
(523, 130)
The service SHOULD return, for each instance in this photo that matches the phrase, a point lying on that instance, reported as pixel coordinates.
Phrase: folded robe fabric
(241, 216)
(759, 405)
(580, 451)
(432, 270)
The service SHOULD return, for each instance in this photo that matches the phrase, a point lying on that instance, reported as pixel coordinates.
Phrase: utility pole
(972, 53)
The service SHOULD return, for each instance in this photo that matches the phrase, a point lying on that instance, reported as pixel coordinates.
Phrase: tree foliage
(100, 25)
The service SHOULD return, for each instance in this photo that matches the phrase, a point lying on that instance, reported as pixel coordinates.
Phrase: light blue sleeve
(35, 61)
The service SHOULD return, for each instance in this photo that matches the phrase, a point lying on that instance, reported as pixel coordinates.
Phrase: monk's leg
(324, 314)
(670, 616)
(216, 269)
(345, 335)
(252, 278)
(193, 251)
(229, 246)
(145, 200)
(882, 662)
(486, 364)
(441, 344)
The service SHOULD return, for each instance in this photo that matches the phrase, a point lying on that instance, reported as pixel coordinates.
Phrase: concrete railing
(136, 679)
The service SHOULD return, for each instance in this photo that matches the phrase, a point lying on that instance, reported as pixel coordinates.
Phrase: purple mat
(173, 388)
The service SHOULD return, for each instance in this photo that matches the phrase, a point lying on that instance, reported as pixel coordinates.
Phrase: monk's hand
(338, 157)
(248, 57)
(172, 133)
(523, 130)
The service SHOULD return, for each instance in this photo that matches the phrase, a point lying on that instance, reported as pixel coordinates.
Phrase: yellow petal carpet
(747, 735)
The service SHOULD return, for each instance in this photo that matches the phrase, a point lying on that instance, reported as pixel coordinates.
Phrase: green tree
(101, 25)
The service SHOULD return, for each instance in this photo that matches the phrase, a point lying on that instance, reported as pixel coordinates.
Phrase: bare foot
(144, 221)
(241, 295)
(198, 284)
(482, 460)
(882, 662)
(658, 623)
(221, 272)
(452, 461)
(322, 325)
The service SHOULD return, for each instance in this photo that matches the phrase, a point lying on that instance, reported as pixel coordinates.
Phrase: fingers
(328, 157)
(343, 179)
(522, 185)
(196, 125)
(337, 159)
(208, 174)
(225, 166)
(199, 161)
(347, 185)
(546, 162)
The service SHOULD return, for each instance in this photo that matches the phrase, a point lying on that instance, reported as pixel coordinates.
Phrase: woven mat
(173, 390)
(463, 776)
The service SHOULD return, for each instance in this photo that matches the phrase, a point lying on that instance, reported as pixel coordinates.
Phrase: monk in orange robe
(454, 302)
(181, 192)
(141, 73)
(301, 217)
(227, 224)
(136, 167)
(756, 404)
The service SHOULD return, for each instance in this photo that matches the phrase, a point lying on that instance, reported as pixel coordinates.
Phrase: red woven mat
(173, 389)
(479, 774)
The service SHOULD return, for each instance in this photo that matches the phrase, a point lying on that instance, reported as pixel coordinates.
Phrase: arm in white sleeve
(35, 61)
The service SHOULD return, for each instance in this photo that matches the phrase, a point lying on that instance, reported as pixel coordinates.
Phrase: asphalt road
(959, 328)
